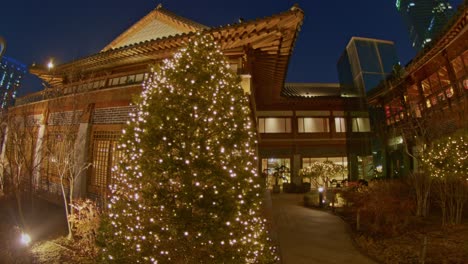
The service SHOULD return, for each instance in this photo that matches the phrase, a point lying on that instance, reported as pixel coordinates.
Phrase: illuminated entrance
(276, 171)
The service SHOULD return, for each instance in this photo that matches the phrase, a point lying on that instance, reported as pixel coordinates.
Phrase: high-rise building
(364, 64)
(424, 19)
(11, 74)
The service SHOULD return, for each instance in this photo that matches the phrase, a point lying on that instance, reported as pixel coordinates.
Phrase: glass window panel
(465, 60)
(368, 57)
(114, 81)
(372, 80)
(340, 125)
(344, 73)
(275, 125)
(131, 79)
(361, 124)
(443, 77)
(313, 125)
(388, 56)
(441, 97)
(458, 67)
(139, 77)
(434, 80)
(95, 84)
(413, 93)
(426, 87)
(449, 92)
(276, 170)
(354, 60)
(261, 125)
(123, 80)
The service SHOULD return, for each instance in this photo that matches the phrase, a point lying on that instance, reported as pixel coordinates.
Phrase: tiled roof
(270, 40)
(159, 23)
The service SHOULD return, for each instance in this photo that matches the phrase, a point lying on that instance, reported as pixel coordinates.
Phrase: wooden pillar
(81, 154)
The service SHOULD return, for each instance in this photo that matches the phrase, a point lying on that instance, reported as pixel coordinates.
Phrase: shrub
(383, 207)
(85, 222)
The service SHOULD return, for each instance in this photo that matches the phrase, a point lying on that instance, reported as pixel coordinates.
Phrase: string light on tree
(187, 189)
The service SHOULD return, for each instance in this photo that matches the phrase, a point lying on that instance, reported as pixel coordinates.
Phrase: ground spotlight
(25, 239)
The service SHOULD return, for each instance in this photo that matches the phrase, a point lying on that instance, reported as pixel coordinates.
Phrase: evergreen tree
(187, 189)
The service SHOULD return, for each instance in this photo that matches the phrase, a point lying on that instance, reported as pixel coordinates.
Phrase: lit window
(139, 77)
(123, 80)
(361, 124)
(340, 124)
(274, 125)
(313, 125)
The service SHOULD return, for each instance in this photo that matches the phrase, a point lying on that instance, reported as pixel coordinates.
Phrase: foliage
(85, 221)
(187, 189)
(447, 161)
(320, 172)
(385, 206)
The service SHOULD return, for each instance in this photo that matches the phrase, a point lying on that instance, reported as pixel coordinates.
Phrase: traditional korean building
(297, 123)
(427, 99)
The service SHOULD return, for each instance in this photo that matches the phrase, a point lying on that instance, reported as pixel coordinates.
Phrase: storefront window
(276, 171)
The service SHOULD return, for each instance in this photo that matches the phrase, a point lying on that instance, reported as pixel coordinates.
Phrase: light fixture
(50, 65)
(25, 239)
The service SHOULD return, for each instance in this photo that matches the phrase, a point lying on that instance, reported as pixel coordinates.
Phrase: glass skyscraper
(424, 19)
(364, 64)
(11, 73)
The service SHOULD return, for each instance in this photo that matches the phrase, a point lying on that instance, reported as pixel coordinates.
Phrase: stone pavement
(307, 236)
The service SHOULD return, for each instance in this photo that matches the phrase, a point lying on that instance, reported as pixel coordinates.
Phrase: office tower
(364, 64)
(424, 19)
(11, 73)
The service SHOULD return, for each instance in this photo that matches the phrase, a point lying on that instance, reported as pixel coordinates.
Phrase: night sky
(36, 31)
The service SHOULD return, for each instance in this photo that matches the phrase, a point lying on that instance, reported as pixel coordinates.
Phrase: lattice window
(104, 156)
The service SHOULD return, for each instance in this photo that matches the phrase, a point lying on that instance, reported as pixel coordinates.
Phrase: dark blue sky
(65, 30)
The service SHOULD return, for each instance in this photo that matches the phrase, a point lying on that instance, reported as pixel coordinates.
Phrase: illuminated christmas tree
(187, 189)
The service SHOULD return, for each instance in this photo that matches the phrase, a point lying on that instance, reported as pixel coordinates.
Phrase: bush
(311, 199)
(385, 207)
(85, 222)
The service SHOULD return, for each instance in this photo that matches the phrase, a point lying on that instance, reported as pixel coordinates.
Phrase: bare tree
(66, 164)
(20, 161)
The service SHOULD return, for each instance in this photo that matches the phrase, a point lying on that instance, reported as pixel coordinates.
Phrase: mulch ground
(47, 227)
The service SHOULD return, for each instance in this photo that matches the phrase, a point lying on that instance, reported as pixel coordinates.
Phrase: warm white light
(50, 65)
(25, 239)
(320, 189)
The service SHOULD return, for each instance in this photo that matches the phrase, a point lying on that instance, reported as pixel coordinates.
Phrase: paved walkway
(308, 236)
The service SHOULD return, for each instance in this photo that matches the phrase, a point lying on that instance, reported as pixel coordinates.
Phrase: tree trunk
(20, 207)
(65, 203)
(358, 220)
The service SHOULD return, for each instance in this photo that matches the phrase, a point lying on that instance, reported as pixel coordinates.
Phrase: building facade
(92, 96)
(11, 74)
(364, 64)
(427, 100)
(424, 19)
